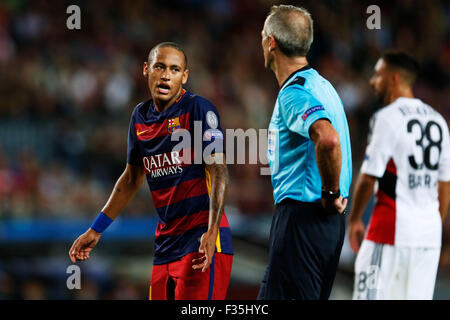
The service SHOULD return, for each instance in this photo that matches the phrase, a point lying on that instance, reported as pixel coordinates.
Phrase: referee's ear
(272, 43)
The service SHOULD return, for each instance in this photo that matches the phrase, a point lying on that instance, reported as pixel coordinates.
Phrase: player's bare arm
(363, 192)
(124, 190)
(444, 198)
(218, 174)
(126, 187)
(328, 157)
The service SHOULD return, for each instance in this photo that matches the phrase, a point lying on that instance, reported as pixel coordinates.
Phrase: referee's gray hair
(292, 28)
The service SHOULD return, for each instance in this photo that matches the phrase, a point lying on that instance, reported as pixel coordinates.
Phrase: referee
(310, 161)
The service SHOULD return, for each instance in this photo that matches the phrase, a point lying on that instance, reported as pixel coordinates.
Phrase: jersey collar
(172, 106)
(293, 73)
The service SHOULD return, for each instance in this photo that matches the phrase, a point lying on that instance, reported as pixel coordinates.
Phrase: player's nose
(165, 75)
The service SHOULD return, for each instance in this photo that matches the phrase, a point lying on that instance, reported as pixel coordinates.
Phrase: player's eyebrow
(171, 66)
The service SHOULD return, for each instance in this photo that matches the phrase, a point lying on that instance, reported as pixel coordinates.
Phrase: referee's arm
(328, 157)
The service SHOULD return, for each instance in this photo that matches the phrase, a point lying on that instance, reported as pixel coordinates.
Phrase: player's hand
(338, 205)
(356, 234)
(83, 245)
(207, 248)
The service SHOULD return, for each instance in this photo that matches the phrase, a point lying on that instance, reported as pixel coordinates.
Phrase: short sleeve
(133, 153)
(444, 161)
(212, 134)
(299, 110)
(380, 147)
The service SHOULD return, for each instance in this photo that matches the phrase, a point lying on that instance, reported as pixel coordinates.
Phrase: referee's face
(265, 47)
(166, 73)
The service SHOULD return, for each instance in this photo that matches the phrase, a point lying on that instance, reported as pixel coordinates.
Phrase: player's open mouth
(163, 88)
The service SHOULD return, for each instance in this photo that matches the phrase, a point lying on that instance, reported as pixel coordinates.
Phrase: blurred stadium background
(66, 98)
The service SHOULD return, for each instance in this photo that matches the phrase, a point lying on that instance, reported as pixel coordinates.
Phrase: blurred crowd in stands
(66, 96)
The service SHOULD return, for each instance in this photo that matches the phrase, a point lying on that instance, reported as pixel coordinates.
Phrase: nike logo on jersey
(140, 132)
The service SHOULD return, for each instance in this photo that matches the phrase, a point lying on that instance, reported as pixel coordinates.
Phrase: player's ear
(145, 69)
(396, 77)
(185, 76)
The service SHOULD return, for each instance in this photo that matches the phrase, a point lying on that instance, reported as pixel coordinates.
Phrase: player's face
(380, 81)
(166, 74)
(265, 47)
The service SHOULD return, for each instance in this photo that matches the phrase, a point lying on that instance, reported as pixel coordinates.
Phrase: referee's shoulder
(294, 91)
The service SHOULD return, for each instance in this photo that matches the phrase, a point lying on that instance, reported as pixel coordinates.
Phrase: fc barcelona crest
(174, 124)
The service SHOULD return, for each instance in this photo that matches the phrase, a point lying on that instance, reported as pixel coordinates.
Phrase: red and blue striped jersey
(180, 186)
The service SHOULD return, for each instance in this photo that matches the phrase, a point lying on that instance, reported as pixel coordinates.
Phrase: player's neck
(163, 105)
(284, 66)
(400, 92)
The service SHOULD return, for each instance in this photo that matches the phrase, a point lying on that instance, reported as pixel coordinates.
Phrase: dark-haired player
(407, 163)
(193, 250)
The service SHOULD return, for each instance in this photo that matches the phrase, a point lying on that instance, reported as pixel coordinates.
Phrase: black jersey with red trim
(175, 171)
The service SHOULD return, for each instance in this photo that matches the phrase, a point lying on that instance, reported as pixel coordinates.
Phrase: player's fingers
(360, 236)
(74, 244)
(198, 260)
(83, 253)
(206, 266)
(352, 245)
(72, 255)
(207, 261)
(209, 256)
(351, 237)
(74, 249)
(198, 265)
(354, 241)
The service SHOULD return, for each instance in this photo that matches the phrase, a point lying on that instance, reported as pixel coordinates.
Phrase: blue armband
(101, 223)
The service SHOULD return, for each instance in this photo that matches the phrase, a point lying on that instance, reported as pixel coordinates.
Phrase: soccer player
(407, 163)
(310, 161)
(193, 249)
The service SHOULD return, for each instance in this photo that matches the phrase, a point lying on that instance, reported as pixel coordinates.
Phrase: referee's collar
(293, 73)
